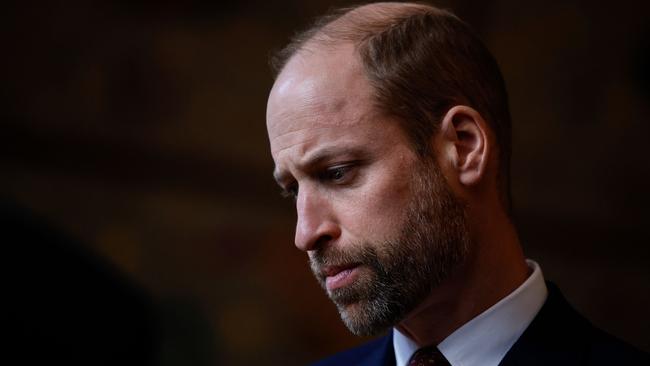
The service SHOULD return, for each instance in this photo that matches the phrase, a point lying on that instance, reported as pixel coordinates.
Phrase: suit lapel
(383, 354)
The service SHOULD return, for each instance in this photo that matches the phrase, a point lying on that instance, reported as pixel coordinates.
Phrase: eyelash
(336, 175)
(330, 174)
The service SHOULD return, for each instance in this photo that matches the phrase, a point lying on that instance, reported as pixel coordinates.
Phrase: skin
(348, 168)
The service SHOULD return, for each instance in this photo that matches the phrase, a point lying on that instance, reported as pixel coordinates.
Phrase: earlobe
(465, 143)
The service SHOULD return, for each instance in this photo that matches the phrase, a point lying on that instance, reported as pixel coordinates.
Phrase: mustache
(332, 256)
(337, 257)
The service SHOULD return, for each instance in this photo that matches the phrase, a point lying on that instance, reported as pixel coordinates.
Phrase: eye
(336, 174)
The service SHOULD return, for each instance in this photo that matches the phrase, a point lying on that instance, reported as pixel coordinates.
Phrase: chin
(363, 320)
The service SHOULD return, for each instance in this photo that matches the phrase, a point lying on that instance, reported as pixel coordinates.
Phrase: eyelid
(290, 190)
(341, 167)
(344, 168)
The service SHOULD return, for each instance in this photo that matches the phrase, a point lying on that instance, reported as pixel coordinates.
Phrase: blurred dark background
(138, 128)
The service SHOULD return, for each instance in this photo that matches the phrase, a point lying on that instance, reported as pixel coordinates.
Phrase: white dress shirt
(485, 340)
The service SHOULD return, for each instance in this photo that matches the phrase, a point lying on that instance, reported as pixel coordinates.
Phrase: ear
(464, 144)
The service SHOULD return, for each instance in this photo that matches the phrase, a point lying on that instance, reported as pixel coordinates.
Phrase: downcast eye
(336, 174)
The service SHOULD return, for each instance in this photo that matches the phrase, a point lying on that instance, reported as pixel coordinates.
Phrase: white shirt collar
(486, 339)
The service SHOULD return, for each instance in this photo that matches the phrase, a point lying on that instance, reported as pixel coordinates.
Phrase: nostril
(322, 241)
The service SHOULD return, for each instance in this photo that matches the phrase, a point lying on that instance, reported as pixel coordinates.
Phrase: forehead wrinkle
(322, 105)
(320, 126)
(292, 144)
(298, 121)
(314, 116)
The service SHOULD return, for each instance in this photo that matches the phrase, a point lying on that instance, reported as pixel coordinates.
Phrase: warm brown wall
(140, 129)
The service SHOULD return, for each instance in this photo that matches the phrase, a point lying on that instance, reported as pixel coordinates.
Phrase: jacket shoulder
(559, 335)
(605, 349)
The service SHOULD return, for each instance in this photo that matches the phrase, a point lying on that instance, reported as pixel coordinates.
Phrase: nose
(316, 224)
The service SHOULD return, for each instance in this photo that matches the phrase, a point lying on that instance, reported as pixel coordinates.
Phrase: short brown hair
(421, 61)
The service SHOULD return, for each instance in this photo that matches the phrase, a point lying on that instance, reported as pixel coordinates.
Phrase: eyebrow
(317, 158)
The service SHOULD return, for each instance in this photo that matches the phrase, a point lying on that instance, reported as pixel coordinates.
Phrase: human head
(328, 116)
(421, 61)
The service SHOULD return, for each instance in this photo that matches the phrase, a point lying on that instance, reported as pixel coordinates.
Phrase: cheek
(379, 209)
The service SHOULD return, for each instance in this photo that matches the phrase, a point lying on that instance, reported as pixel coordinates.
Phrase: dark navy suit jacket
(558, 335)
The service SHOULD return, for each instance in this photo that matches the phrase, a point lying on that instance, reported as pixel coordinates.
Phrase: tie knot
(428, 356)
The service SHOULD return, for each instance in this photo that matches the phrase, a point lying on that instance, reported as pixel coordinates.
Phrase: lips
(339, 276)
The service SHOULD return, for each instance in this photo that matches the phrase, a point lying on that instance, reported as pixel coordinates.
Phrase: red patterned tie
(428, 356)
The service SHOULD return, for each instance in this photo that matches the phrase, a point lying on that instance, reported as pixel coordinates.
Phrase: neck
(493, 269)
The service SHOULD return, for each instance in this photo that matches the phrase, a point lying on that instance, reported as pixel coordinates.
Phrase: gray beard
(396, 275)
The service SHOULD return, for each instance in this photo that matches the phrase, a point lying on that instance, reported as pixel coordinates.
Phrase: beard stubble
(398, 273)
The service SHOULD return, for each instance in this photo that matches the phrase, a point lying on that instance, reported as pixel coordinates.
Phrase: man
(389, 126)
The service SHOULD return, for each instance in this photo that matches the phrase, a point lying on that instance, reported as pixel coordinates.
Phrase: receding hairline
(356, 24)
(365, 20)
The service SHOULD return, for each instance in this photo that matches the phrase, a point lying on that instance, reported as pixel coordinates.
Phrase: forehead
(320, 88)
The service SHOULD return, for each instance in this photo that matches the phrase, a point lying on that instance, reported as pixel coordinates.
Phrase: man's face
(380, 226)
